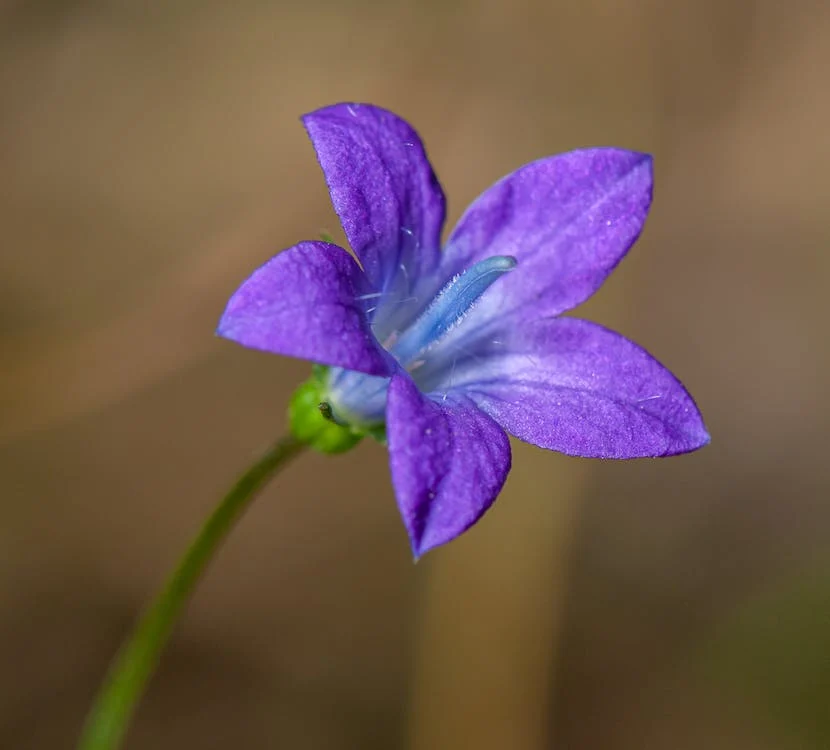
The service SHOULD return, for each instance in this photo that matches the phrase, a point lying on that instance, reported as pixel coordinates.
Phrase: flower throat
(357, 398)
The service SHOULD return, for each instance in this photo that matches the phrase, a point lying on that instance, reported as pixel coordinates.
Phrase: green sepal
(378, 432)
(318, 373)
(311, 423)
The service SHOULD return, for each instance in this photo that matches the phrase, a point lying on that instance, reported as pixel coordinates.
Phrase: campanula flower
(451, 349)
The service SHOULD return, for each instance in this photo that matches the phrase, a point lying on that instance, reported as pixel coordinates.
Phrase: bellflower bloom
(452, 349)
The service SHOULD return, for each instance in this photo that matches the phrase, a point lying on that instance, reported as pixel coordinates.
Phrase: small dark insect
(325, 410)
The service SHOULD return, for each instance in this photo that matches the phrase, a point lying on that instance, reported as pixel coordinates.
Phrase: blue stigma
(450, 306)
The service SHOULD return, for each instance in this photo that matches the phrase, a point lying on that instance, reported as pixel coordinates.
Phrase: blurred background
(152, 156)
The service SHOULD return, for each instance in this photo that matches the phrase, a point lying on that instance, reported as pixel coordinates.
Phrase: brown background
(151, 156)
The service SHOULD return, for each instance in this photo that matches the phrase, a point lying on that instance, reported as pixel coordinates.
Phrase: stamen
(390, 341)
(450, 305)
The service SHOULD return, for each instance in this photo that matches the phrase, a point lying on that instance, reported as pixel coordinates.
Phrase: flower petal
(575, 387)
(567, 219)
(305, 303)
(448, 459)
(383, 189)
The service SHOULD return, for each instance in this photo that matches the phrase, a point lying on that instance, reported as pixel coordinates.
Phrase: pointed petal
(448, 459)
(383, 189)
(575, 387)
(568, 220)
(304, 303)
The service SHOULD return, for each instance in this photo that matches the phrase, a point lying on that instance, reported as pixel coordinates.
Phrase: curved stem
(137, 659)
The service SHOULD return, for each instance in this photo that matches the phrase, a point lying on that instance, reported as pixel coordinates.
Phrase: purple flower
(452, 349)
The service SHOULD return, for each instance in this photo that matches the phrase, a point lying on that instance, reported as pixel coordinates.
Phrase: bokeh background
(152, 156)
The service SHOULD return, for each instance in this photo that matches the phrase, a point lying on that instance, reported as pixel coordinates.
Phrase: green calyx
(311, 421)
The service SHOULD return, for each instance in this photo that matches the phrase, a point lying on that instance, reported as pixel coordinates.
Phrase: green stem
(137, 659)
